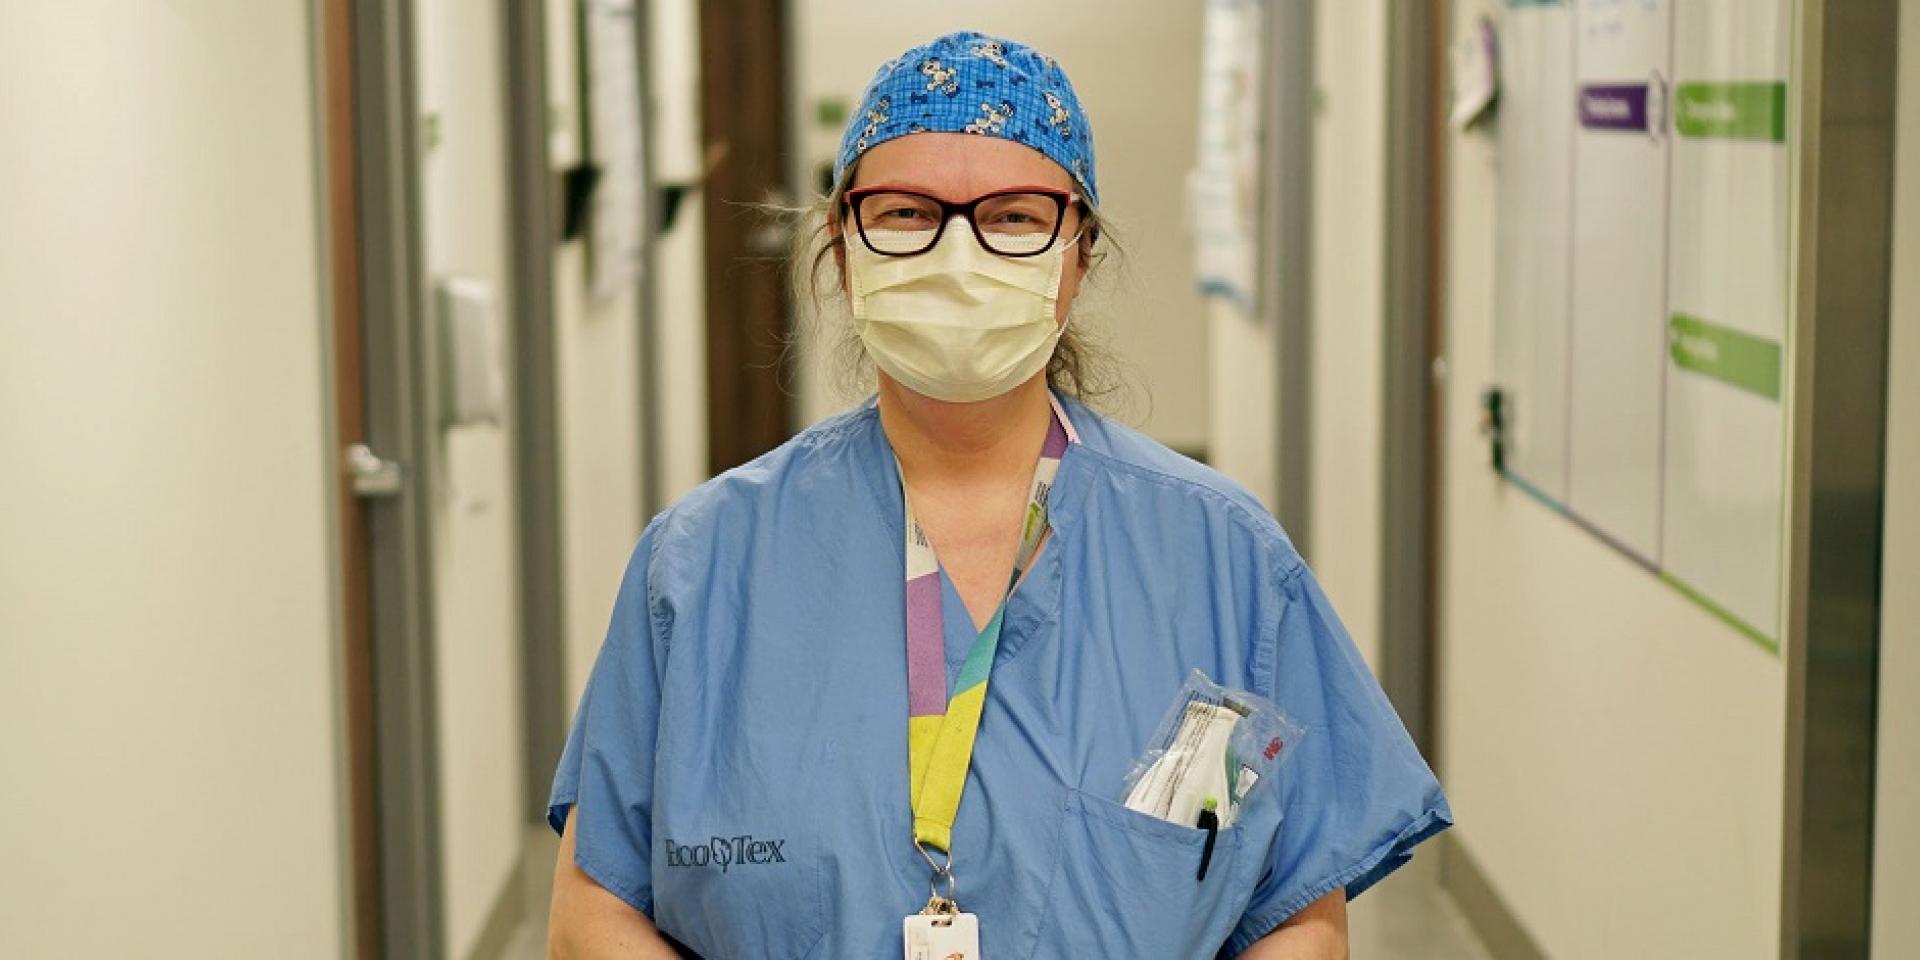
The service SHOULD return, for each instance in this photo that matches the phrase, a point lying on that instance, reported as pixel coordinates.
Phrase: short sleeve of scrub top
(738, 760)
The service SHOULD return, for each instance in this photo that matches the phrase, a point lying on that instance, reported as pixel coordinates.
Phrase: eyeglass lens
(1009, 224)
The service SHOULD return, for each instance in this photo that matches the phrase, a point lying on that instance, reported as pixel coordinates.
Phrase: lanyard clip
(938, 904)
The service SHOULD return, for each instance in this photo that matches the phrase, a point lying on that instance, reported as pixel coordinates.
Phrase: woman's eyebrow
(902, 186)
(931, 192)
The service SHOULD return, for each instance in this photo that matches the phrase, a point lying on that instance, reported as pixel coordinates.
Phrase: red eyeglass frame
(1062, 199)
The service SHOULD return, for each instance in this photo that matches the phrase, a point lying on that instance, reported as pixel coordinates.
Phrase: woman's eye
(902, 215)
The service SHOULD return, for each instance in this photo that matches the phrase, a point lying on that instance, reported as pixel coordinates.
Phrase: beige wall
(167, 649)
(1348, 312)
(681, 291)
(1896, 881)
(1242, 384)
(1136, 66)
(1346, 315)
(597, 360)
(1613, 751)
(459, 68)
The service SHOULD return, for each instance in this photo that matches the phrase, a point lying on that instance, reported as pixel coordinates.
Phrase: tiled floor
(1406, 917)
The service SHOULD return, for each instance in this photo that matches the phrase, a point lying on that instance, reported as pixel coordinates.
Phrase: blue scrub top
(739, 758)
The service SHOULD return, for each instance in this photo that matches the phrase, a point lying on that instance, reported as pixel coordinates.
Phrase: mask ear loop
(1091, 234)
(1090, 231)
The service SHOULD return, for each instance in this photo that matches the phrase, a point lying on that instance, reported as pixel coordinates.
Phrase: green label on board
(1739, 359)
(1731, 111)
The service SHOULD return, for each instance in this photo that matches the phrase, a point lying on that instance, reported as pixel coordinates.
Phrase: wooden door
(743, 121)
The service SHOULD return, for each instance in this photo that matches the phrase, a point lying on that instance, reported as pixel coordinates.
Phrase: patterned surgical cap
(972, 83)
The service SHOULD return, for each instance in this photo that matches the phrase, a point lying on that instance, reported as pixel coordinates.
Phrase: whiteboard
(1533, 194)
(1642, 292)
(1617, 333)
(1726, 423)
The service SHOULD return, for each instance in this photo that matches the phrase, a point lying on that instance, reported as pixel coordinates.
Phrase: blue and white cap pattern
(970, 82)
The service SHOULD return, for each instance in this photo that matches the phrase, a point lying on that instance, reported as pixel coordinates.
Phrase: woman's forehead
(957, 166)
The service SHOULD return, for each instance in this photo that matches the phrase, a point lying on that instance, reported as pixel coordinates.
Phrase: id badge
(943, 937)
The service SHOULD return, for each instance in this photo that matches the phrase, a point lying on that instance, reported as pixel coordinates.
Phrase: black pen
(1210, 822)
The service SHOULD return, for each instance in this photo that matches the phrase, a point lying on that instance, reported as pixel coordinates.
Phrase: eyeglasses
(1022, 222)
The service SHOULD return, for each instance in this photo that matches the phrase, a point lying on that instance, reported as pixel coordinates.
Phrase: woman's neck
(966, 444)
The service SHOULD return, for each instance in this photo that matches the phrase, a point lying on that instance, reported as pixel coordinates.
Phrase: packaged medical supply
(1214, 749)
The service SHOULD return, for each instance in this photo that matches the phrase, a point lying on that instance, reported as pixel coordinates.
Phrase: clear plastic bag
(1214, 749)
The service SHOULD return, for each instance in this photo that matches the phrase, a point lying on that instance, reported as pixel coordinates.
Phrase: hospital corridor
(1159, 479)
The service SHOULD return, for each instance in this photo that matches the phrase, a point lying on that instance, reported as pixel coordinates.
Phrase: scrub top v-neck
(738, 762)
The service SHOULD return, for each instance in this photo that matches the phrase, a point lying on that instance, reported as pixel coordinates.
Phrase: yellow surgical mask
(957, 323)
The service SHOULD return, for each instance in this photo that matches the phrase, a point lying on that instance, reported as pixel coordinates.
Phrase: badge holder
(941, 931)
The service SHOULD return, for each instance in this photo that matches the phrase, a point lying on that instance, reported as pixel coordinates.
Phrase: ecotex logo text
(725, 852)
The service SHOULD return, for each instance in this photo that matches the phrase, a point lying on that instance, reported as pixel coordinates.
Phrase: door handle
(373, 478)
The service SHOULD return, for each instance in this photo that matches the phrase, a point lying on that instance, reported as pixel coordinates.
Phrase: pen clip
(1210, 822)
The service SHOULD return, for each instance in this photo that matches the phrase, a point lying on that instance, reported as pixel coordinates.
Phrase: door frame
(1410, 428)
(1844, 105)
(398, 528)
(535, 239)
(1286, 255)
(651, 483)
(333, 22)
(539, 538)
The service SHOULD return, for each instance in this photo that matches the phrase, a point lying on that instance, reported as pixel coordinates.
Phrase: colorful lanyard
(941, 730)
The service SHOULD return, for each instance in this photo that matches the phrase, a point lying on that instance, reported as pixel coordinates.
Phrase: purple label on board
(1614, 106)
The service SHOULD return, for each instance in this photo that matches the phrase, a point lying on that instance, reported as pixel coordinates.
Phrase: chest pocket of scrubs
(1125, 885)
(752, 906)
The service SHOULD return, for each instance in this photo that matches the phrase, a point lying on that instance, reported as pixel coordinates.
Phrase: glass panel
(899, 222)
(898, 241)
(1018, 213)
(1017, 244)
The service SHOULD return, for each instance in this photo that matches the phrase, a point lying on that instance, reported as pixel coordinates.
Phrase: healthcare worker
(822, 712)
